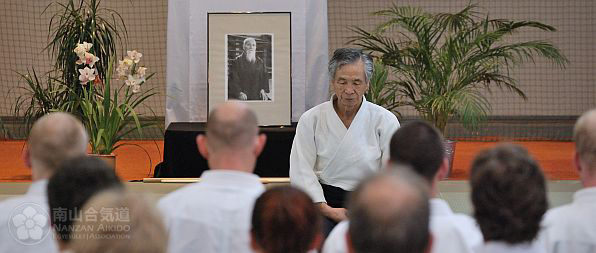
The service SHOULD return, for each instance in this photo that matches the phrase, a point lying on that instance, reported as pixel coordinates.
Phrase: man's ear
(577, 162)
(253, 242)
(260, 142)
(349, 243)
(317, 242)
(443, 169)
(202, 145)
(429, 246)
(26, 156)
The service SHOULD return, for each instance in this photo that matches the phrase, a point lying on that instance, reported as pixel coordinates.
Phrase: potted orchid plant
(107, 110)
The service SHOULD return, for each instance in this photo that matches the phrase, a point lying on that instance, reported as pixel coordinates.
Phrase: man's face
(250, 46)
(349, 84)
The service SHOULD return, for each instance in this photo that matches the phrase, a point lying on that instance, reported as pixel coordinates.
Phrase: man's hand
(336, 214)
(242, 96)
(265, 95)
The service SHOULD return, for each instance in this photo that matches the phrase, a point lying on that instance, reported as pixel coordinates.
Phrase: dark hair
(390, 213)
(343, 56)
(419, 145)
(508, 193)
(285, 219)
(72, 185)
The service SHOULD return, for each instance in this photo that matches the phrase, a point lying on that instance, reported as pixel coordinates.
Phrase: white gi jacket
(212, 215)
(572, 227)
(452, 233)
(10, 208)
(324, 151)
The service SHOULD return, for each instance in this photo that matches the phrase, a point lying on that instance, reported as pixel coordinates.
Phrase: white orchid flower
(87, 75)
(82, 48)
(134, 55)
(136, 88)
(123, 69)
(141, 71)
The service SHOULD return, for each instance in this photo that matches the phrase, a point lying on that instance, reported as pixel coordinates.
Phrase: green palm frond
(443, 64)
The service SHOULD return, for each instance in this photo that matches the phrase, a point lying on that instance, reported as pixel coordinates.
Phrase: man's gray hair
(54, 138)
(343, 56)
(389, 212)
(584, 135)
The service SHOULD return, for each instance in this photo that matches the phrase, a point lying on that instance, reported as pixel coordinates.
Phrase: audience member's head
(232, 139)
(584, 135)
(137, 229)
(419, 145)
(285, 220)
(71, 186)
(54, 138)
(389, 212)
(508, 193)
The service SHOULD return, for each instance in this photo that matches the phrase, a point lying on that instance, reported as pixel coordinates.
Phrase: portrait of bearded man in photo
(248, 75)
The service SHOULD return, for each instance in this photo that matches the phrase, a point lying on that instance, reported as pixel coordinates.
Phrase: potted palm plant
(444, 64)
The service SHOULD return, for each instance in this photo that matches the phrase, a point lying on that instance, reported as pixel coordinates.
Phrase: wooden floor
(137, 160)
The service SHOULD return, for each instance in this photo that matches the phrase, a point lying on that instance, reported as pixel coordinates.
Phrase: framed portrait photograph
(249, 61)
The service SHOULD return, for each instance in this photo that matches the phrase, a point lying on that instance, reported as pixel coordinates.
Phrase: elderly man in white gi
(339, 142)
(572, 227)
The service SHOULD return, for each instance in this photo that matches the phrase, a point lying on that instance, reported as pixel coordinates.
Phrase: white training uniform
(326, 152)
(32, 226)
(572, 227)
(452, 233)
(212, 215)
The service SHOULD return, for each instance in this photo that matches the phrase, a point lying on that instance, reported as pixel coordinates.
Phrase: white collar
(230, 178)
(439, 207)
(38, 188)
(585, 195)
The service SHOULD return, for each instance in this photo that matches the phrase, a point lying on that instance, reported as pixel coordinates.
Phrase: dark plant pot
(110, 159)
(450, 154)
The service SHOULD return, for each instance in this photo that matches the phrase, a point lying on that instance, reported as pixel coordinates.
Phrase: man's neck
(346, 114)
(39, 174)
(591, 182)
(238, 162)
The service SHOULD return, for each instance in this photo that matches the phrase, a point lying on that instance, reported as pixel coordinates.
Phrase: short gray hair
(231, 125)
(55, 138)
(389, 212)
(343, 56)
(584, 135)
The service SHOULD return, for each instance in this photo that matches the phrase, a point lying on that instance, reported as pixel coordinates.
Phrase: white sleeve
(387, 128)
(302, 161)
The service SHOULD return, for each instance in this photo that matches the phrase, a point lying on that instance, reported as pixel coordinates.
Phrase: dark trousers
(336, 198)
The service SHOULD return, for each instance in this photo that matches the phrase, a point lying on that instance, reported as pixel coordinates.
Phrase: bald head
(389, 212)
(584, 135)
(231, 126)
(54, 138)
